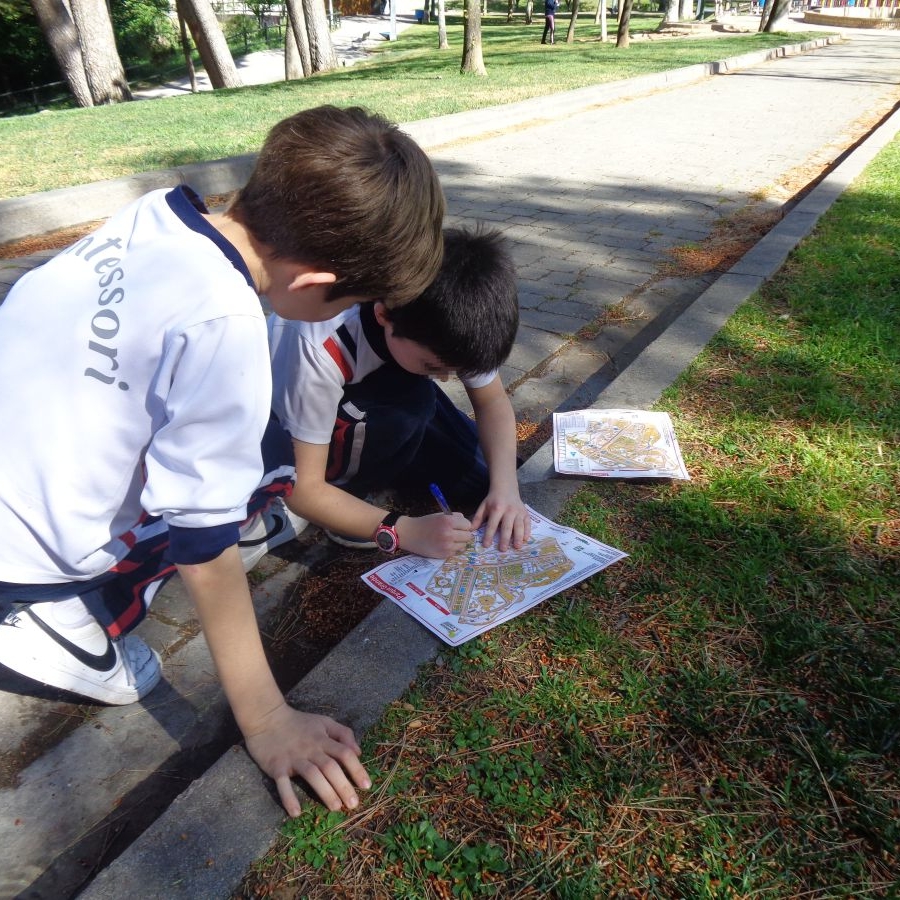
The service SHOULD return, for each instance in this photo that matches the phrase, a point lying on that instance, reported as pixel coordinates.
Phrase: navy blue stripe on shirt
(187, 205)
(373, 331)
(346, 339)
(192, 546)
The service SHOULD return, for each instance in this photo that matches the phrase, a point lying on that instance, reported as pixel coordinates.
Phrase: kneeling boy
(356, 395)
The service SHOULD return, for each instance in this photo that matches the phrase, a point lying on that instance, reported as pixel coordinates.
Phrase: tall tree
(472, 58)
(102, 65)
(623, 38)
(297, 29)
(600, 19)
(573, 18)
(775, 14)
(321, 50)
(210, 42)
(186, 51)
(62, 36)
(443, 43)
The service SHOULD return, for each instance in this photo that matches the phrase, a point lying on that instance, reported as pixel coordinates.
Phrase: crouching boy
(358, 398)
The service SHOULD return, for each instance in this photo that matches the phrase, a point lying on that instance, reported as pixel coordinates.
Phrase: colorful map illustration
(479, 586)
(617, 443)
(464, 595)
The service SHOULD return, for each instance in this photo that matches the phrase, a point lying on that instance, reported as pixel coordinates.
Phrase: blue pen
(442, 501)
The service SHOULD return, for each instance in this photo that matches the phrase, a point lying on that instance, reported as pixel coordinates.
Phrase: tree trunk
(62, 37)
(102, 65)
(186, 50)
(573, 18)
(210, 42)
(775, 14)
(293, 65)
(297, 27)
(623, 38)
(529, 12)
(686, 10)
(671, 15)
(443, 44)
(472, 59)
(321, 50)
(600, 19)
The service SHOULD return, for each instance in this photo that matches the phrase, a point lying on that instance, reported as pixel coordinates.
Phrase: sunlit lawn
(406, 80)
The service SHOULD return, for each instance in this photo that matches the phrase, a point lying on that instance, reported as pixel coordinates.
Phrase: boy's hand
(503, 516)
(436, 536)
(317, 749)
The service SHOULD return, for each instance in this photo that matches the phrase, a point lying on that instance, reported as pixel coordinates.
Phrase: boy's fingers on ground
(286, 793)
(345, 759)
(328, 778)
(344, 735)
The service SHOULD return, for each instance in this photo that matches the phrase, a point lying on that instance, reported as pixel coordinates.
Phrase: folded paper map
(616, 443)
(465, 595)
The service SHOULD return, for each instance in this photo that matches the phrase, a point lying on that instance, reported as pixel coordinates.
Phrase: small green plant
(420, 849)
(316, 837)
(510, 780)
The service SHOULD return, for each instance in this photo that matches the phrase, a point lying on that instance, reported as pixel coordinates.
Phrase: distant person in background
(550, 8)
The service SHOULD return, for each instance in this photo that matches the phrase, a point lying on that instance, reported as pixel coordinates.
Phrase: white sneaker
(77, 656)
(268, 530)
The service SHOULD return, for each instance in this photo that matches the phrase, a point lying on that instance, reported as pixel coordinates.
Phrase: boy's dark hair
(347, 192)
(468, 316)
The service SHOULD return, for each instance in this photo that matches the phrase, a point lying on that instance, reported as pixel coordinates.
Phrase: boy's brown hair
(347, 192)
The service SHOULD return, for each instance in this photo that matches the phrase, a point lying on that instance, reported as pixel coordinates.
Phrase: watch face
(386, 540)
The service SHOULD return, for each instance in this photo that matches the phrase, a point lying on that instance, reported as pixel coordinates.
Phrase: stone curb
(64, 207)
(204, 843)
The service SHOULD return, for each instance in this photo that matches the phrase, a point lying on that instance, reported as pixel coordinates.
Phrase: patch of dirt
(57, 240)
(731, 237)
(52, 240)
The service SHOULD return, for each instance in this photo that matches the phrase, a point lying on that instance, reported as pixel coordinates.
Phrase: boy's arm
(502, 512)
(437, 536)
(283, 741)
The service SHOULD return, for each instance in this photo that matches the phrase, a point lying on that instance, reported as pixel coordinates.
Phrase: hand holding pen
(438, 495)
(438, 535)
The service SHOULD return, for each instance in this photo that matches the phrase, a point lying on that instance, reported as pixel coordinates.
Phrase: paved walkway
(592, 193)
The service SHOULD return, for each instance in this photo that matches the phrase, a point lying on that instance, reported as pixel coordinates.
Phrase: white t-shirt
(136, 377)
(312, 361)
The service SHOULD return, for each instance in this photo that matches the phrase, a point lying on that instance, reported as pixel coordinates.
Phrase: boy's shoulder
(317, 333)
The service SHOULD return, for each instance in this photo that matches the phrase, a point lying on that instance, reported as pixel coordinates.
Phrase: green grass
(408, 79)
(718, 715)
